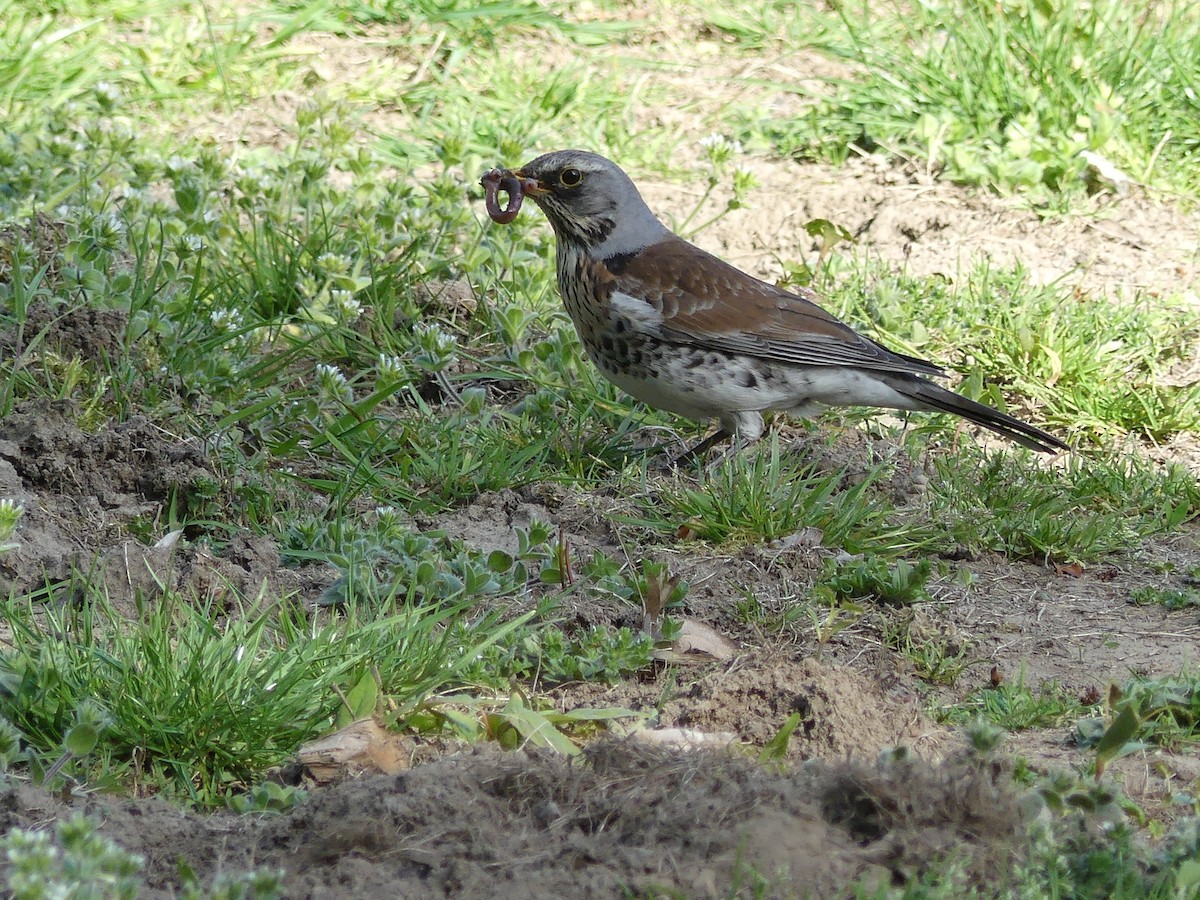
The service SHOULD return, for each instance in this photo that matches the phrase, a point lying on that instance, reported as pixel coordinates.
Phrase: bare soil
(622, 821)
(478, 822)
(1123, 247)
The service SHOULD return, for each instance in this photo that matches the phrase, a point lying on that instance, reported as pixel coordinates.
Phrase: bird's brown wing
(706, 302)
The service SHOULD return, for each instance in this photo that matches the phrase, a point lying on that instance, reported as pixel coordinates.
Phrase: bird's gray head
(591, 202)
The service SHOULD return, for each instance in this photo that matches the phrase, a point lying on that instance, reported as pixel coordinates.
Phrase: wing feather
(705, 302)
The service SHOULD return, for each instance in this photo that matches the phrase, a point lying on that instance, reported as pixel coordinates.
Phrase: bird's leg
(743, 426)
(717, 437)
(736, 446)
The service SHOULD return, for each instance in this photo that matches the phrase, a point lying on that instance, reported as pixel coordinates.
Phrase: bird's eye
(570, 177)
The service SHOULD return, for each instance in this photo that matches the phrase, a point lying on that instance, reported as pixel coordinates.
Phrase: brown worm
(502, 180)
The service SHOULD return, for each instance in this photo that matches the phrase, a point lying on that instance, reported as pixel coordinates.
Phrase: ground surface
(480, 822)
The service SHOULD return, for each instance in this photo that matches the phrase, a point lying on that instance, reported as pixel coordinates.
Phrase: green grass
(1091, 368)
(766, 494)
(1016, 706)
(199, 707)
(1009, 95)
(1089, 508)
(324, 308)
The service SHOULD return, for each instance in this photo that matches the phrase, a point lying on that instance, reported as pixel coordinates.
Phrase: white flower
(335, 263)
(108, 91)
(719, 148)
(345, 302)
(332, 384)
(387, 515)
(226, 319)
(306, 287)
(434, 338)
(325, 370)
(390, 367)
(113, 223)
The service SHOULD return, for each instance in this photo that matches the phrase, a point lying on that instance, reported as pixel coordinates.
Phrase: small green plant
(659, 592)
(10, 515)
(53, 767)
(548, 656)
(1016, 706)
(1117, 739)
(719, 152)
(267, 797)
(91, 720)
(1145, 711)
(939, 660)
(384, 561)
(181, 692)
(938, 655)
(77, 861)
(517, 721)
(897, 584)
(748, 607)
(776, 748)
(520, 723)
(1169, 708)
(828, 236)
(983, 738)
(1170, 598)
(839, 615)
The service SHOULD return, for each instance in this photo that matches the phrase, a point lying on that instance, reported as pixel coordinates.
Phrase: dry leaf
(1075, 570)
(363, 747)
(807, 538)
(169, 540)
(1103, 173)
(660, 586)
(704, 640)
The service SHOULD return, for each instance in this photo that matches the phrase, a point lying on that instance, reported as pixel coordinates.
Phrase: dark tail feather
(935, 398)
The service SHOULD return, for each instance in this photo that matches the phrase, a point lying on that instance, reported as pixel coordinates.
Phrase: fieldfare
(683, 331)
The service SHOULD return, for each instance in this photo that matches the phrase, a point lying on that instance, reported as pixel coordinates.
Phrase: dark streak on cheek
(494, 182)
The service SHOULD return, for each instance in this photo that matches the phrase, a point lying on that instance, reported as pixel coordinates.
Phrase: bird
(684, 331)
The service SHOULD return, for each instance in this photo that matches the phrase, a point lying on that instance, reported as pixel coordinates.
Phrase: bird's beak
(530, 186)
